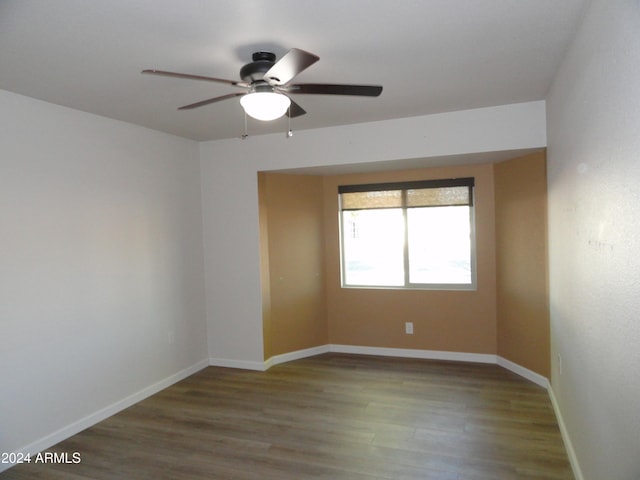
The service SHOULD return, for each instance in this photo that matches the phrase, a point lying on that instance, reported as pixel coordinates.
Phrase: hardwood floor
(334, 416)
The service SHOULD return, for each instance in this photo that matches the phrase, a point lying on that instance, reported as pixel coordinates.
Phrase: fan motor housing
(262, 62)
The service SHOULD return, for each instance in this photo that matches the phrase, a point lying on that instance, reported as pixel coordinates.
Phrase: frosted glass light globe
(265, 106)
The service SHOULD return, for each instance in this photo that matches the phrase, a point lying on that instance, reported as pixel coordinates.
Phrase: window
(408, 234)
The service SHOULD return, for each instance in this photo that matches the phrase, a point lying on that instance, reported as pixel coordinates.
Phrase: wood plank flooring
(333, 416)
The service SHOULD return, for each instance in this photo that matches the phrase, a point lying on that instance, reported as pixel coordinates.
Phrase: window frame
(408, 185)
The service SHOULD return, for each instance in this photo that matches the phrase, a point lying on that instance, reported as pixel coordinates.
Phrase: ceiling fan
(267, 87)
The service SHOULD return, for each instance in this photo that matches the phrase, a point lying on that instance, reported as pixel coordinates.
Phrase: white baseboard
(381, 351)
(298, 354)
(395, 352)
(568, 445)
(524, 372)
(240, 364)
(414, 353)
(104, 413)
(386, 352)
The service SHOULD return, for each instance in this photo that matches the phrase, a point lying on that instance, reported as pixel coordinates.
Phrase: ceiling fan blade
(290, 65)
(195, 77)
(295, 110)
(211, 100)
(335, 89)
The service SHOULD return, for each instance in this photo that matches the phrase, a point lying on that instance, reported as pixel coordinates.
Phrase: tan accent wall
(265, 276)
(458, 321)
(304, 305)
(521, 260)
(292, 250)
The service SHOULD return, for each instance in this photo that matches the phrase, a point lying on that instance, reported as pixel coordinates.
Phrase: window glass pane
(439, 245)
(373, 246)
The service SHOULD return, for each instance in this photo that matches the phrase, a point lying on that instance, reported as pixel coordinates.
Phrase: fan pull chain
(246, 133)
(289, 133)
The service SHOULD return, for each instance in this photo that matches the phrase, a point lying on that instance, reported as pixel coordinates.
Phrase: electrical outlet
(408, 328)
(559, 364)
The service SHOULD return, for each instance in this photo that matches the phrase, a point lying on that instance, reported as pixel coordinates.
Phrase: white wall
(594, 238)
(230, 201)
(101, 267)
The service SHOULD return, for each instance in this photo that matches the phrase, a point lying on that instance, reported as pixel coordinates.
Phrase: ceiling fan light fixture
(265, 106)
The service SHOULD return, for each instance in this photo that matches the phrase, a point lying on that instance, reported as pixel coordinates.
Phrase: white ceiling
(431, 56)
